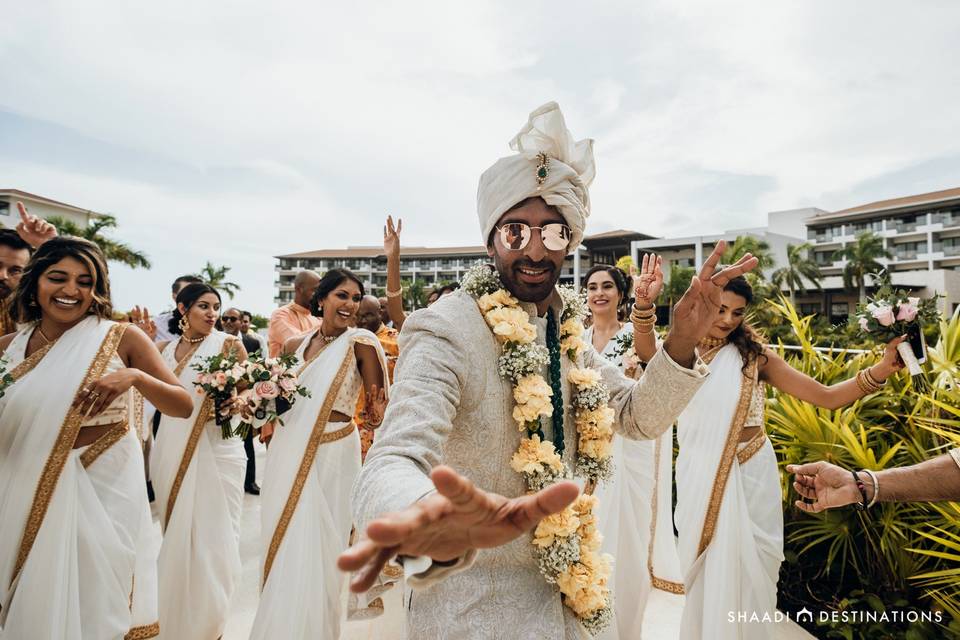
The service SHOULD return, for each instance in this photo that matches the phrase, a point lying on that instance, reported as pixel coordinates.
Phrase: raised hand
(696, 311)
(34, 231)
(648, 281)
(391, 237)
(447, 524)
(826, 484)
(374, 407)
(141, 318)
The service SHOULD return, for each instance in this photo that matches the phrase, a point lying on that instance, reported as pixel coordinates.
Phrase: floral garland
(567, 543)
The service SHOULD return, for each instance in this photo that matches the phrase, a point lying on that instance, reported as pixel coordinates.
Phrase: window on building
(907, 224)
(908, 250)
(823, 258)
(839, 312)
(809, 308)
(4, 208)
(864, 226)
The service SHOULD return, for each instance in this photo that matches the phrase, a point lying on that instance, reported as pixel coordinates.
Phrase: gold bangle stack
(867, 383)
(395, 294)
(643, 319)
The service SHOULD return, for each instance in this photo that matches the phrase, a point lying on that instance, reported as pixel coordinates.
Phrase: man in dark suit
(231, 320)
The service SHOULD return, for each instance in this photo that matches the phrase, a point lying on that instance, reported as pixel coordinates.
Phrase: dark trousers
(251, 476)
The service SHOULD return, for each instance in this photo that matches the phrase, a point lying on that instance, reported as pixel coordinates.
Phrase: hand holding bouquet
(248, 394)
(891, 314)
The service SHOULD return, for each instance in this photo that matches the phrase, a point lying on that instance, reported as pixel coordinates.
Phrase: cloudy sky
(232, 131)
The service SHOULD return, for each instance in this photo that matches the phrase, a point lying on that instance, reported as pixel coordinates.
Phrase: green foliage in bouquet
(890, 313)
(894, 556)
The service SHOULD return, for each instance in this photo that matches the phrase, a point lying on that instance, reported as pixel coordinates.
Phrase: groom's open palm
(447, 524)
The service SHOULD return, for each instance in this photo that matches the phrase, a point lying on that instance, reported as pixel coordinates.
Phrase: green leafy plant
(897, 555)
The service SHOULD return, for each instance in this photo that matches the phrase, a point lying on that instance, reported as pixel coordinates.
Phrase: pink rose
(289, 385)
(276, 370)
(864, 324)
(220, 380)
(908, 310)
(884, 315)
(266, 389)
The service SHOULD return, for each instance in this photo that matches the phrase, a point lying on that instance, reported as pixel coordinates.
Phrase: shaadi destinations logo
(850, 616)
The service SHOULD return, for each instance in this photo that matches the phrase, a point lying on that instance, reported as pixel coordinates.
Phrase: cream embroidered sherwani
(450, 406)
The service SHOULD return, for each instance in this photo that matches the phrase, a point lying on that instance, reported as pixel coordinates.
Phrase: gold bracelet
(395, 294)
(875, 382)
(866, 383)
(648, 322)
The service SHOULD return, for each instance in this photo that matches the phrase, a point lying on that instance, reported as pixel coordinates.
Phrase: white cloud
(232, 131)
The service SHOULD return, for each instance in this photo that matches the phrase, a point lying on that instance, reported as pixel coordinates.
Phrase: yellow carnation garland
(567, 543)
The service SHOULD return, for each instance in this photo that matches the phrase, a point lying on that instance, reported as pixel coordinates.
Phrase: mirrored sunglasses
(516, 235)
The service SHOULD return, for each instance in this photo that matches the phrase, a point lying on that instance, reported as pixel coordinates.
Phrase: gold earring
(184, 324)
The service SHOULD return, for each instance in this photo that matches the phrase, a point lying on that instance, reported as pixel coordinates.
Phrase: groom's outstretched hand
(447, 524)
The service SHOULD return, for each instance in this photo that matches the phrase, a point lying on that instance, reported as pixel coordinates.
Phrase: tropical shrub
(895, 556)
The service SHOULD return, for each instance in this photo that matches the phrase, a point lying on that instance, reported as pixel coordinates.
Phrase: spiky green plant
(904, 555)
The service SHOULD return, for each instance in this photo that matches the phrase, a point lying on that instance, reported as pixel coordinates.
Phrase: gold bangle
(875, 382)
(395, 294)
(651, 320)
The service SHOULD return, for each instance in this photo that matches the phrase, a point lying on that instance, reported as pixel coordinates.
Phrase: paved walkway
(660, 622)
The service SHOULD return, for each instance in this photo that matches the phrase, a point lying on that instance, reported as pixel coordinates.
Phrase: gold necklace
(192, 340)
(43, 335)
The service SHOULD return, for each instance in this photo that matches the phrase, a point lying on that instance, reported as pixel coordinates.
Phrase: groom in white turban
(437, 490)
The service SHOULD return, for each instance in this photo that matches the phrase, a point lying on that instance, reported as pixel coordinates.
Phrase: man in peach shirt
(295, 318)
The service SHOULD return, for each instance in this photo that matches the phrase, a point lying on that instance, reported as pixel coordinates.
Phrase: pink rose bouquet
(893, 313)
(248, 394)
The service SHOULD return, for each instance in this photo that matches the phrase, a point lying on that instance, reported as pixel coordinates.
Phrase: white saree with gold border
(636, 518)
(198, 481)
(729, 510)
(305, 501)
(77, 549)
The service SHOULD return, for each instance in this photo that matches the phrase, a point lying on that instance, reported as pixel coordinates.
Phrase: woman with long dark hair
(729, 512)
(198, 480)
(76, 559)
(313, 459)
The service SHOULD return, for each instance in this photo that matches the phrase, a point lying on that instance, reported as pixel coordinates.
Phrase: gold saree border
(753, 447)
(27, 364)
(143, 632)
(103, 443)
(203, 416)
(317, 438)
(660, 583)
(62, 447)
(726, 458)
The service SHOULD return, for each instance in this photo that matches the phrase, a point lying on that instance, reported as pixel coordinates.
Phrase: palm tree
(749, 244)
(676, 285)
(216, 278)
(799, 266)
(862, 258)
(113, 250)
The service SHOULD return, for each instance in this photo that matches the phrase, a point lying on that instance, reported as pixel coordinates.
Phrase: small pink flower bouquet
(248, 394)
(893, 313)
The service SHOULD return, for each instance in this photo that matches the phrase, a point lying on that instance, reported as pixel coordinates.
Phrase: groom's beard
(519, 284)
(5, 291)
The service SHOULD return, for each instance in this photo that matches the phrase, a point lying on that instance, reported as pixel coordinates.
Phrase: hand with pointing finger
(445, 525)
(34, 231)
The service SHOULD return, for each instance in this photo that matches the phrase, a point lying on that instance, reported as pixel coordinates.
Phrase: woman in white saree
(198, 481)
(728, 487)
(312, 462)
(76, 559)
(630, 530)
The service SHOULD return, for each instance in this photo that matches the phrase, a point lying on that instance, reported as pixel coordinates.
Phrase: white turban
(514, 178)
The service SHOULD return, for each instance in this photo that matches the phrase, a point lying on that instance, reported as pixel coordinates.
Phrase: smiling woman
(75, 525)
